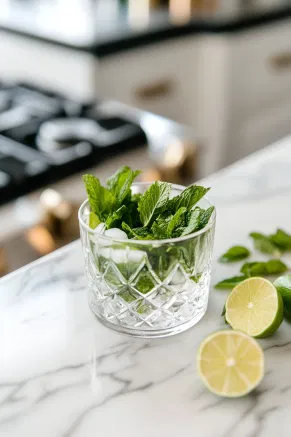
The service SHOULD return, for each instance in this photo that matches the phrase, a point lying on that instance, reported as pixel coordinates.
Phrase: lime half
(230, 363)
(255, 307)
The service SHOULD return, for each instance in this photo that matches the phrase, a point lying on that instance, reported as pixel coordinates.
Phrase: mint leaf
(120, 183)
(235, 253)
(264, 244)
(271, 267)
(176, 221)
(198, 219)
(193, 222)
(204, 217)
(113, 220)
(254, 269)
(94, 220)
(101, 200)
(159, 230)
(275, 266)
(281, 239)
(230, 282)
(126, 296)
(196, 278)
(154, 201)
(188, 198)
(131, 215)
(144, 283)
(137, 233)
(283, 285)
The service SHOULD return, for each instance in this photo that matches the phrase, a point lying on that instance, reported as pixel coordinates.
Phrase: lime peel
(230, 363)
(255, 307)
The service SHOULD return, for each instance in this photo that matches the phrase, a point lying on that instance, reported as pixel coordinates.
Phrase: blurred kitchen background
(177, 88)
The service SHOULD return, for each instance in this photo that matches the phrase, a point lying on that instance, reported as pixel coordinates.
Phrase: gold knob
(179, 164)
(3, 263)
(60, 216)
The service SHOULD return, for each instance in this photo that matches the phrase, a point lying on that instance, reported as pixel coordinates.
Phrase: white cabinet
(233, 89)
(261, 64)
(243, 92)
(158, 78)
(263, 129)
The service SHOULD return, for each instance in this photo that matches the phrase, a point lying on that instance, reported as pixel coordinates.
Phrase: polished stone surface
(62, 374)
(105, 27)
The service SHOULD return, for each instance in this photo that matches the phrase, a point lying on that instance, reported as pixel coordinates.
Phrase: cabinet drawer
(262, 66)
(157, 78)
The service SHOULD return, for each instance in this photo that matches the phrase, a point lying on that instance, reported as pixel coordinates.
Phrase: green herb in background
(230, 283)
(281, 239)
(283, 285)
(263, 244)
(257, 268)
(235, 253)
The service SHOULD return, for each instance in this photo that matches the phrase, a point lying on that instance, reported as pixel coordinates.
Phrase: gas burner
(45, 137)
(64, 133)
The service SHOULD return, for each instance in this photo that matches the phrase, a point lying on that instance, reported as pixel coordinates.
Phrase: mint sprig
(281, 239)
(264, 244)
(257, 268)
(188, 198)
(229, 283)
(149, 216)
(102, 201)
(235, 253)
(120, 183)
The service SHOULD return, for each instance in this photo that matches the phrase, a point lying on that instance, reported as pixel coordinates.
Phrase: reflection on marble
(62, 374)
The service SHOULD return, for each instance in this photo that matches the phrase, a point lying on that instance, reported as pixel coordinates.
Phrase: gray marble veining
(62, 374)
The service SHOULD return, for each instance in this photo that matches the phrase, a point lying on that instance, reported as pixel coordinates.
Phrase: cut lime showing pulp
(255, 307)
(230, 363)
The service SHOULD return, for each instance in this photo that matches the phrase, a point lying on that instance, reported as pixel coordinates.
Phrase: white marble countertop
(62, 374)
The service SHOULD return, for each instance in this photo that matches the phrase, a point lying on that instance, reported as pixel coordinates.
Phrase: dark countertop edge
(129, 42)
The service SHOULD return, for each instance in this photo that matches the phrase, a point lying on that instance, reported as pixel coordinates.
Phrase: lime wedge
(255, 307)
(230, 363)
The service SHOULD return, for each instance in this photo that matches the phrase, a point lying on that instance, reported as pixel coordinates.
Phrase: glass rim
(150, 242)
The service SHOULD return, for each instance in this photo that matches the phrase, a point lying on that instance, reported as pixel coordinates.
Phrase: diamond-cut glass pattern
(137, 297)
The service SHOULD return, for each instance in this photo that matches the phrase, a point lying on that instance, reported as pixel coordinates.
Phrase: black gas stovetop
(45, 137)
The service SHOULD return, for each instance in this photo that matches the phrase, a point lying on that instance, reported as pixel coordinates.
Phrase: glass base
(157, 333)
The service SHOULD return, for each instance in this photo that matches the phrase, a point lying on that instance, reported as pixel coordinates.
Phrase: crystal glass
(148, 288)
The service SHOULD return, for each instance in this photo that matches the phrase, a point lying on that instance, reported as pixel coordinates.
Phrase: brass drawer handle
(3, 263)
(282, 61)
(158, 89)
